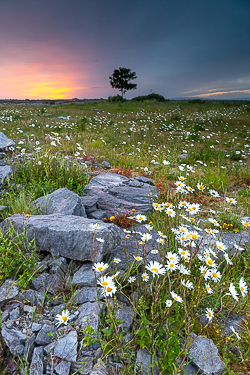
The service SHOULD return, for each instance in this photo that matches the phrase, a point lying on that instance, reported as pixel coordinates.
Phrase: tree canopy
(120, 79)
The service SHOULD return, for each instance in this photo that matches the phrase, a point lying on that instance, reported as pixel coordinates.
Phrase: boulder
(86, 294)
(99, 369)
(61, 201)
(204, 355)
(69, 236)
(45, 335)
(14, 339)
(143, 362)
(63, 368)
(113, 194)
(85, 276)
(66, 348)
(5, 141)
(89, 315)
(8, 291)
(229, 239)
(5, 174)
(36, 367)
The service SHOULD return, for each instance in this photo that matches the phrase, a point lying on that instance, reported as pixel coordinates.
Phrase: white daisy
(156, 268)
(63, 318)
(176, 297)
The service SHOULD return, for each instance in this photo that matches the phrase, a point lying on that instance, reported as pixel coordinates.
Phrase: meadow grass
(148, 139)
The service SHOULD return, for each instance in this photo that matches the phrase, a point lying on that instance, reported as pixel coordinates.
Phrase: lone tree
(120, 80)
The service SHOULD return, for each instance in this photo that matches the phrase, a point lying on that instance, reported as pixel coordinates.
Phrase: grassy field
(200, 148)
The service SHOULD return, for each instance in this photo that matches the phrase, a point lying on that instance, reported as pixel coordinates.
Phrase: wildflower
(109, 289)
(209, 313)
(148, 227)
(168, 303)
(245, 223)
(160, 240)
(215, 275)
(145, 276)
(181, 178)
(233, 292)
(235, 332)
(166, 162)
(181, 190)
(188, 284)
(116, 274)
(100, 240)
(237, 247)
(213, 221)
(173, 256)
(167, 205)
(131, 279)
(100, 266)
(105, 281)
(53, 143)
(220, 246)
(154, 251)
(209, 289)
(94, 226)
(140, 218)
(117, 260)
(182, 204)
(161, 234)
(184, 270)
(156, 268)
(170, 212)
(210, 262)
(228, 259)
(111, 218)
(243, 287)
(191, 190)
(176, 297)
(138, 258)
(146, 237)
(63, 318)
(171, 265)
(231, 200)
(201, 186)
(193, 209)
(214, 193)
(183, 253)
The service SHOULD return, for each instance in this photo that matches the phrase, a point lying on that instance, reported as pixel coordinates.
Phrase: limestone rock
(86, 294)
(8, 291)
(14, 339)
(45, 335)
(143, 361)
(115, 193)
(36, 367)
(85, 276)
(5, 174)
(63, 368)
(66, 348)
(69, 236)
(61, 201)
(204, 355)
(5, 141)
(99, 369)
(89, 311)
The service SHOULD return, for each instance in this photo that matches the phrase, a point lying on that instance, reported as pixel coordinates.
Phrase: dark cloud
(175, 47)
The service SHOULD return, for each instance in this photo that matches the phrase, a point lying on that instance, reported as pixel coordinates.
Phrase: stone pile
(68, 231)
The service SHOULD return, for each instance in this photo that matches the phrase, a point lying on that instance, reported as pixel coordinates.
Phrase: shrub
(116, 99)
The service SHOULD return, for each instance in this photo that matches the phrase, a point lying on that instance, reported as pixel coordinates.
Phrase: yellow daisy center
(210, 262)
(100, 268)
(215, 275)
(209, 314)
(175, 298)
(64, 318)
(155, 269)
(171, 265)
(242, 288)
(109, 289)
(194, 236)
(104, 283)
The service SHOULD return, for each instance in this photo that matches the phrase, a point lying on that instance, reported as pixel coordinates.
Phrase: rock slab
(69, 236)
(204, 355)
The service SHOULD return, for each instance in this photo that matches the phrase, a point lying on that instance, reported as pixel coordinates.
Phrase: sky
(178, 48)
